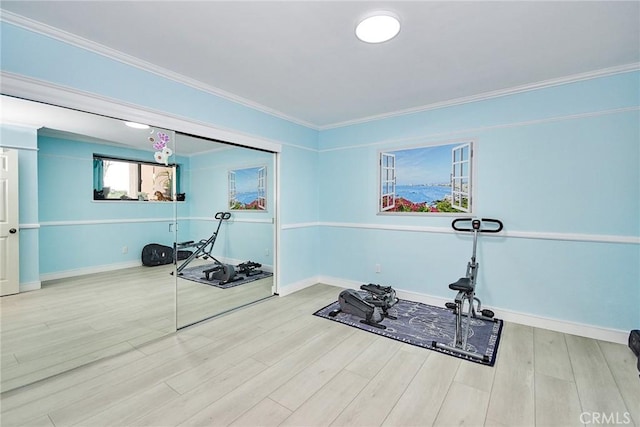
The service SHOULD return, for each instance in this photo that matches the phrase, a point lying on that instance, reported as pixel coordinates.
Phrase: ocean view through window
(429, 179)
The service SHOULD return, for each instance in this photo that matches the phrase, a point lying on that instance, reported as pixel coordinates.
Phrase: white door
(9, 246)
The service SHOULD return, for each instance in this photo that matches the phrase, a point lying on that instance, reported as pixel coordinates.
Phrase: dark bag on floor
(154, 254)
(634, 342)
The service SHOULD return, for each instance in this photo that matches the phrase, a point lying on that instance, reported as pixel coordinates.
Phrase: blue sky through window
(424, 165)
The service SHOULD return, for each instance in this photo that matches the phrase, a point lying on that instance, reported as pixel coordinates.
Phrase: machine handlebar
(476, 225)
(223, 215)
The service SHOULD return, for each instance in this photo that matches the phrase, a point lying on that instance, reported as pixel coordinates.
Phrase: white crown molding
(74, 40)
(50, 93)
(116, 55)
(627, 68)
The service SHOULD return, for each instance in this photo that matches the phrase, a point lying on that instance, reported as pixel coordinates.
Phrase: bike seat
(463, 284)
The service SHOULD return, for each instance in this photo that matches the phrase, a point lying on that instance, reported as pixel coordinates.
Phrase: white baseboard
(30, 286)
(564, 326)
(88, 270)
(298, 286)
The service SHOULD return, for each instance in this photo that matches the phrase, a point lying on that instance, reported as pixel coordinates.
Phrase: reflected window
(123, 179)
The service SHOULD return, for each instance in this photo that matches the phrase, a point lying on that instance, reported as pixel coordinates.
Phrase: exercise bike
(466, 304)
(223, 272)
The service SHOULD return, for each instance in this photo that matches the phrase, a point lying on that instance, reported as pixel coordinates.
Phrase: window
(248, 189)
(432, 179)
(121, 179)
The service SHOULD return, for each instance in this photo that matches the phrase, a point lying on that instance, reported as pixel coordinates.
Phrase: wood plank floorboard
(275, 364)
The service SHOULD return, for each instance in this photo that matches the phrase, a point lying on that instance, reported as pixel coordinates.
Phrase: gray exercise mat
(420, 324)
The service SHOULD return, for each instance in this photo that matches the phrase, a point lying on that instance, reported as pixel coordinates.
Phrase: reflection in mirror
(83, 292)
(225, 252)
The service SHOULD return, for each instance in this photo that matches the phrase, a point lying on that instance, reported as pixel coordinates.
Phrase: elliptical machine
(372, 308)
(466, 288)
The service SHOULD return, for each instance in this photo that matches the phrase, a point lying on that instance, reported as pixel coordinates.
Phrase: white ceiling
(301, 60)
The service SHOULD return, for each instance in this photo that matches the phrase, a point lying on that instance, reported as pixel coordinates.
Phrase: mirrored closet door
(126, 233)
(93, 193)
(225, 228)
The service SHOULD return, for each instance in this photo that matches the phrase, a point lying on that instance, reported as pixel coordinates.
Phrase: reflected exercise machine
(225, 273)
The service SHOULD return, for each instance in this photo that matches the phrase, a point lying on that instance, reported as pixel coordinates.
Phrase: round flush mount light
(378, 27)
(136, 125)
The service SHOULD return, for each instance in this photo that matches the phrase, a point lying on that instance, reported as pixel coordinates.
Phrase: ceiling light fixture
(378, 27)
(136, 125)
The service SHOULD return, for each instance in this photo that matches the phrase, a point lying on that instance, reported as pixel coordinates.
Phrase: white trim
(104, 221)
(124, 58)
(299, 285)
(564, 326)
(538, 235)
(574, 237)
(42, 91)
(88, 270)
(458, 135)
(605, 72)
(231, 220)
(28, 226)
(30, 286)
(300, 225)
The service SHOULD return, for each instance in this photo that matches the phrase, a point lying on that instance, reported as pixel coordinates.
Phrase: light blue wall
(561, 160)
(79, 233)
(25, 140)
(36, 56)
(248, 235)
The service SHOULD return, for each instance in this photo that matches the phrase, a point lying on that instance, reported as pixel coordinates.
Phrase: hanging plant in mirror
(160, 144)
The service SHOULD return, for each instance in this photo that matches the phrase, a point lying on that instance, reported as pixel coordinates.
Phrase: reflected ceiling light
(136, 125)
(378, 27)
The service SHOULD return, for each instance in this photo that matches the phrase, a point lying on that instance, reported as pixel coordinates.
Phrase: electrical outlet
(378, 268)
(125, 249)
(266, 252)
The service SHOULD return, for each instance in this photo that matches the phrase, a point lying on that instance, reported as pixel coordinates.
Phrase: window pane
(116, 179)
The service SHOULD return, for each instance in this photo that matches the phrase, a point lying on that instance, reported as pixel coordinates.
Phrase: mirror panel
(235, 268)
(85, 294)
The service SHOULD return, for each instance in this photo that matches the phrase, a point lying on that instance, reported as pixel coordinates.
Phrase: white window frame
(469, 178)
(232, 188)
(387, 181)
(262, 188)
(458, 177)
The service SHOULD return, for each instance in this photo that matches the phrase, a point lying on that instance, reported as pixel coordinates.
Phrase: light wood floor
(74, 321)
(274, 363)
